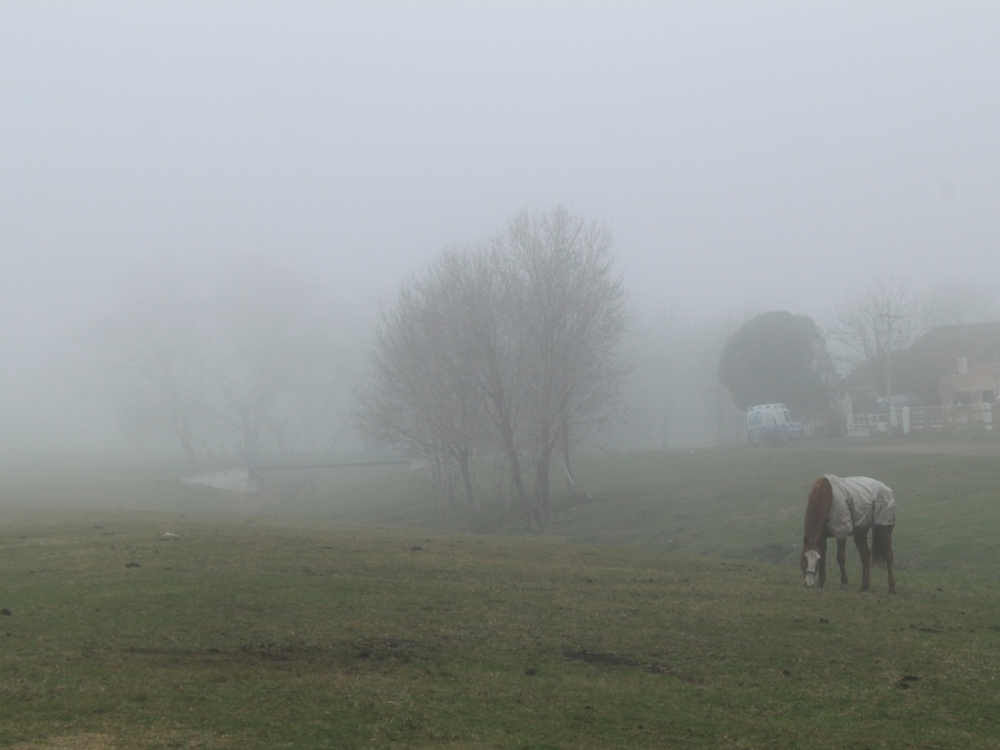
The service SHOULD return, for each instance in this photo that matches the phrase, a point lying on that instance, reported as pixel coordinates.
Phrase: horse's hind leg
(842, 561)
(861, 542)
(887, 552)
(821, 565)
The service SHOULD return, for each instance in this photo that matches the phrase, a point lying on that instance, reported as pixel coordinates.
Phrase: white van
(772, 423)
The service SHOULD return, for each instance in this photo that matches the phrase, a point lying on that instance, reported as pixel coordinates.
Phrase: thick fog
(747, 157)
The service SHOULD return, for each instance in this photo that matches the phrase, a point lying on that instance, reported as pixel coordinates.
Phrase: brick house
(949, 366)
(955, 365)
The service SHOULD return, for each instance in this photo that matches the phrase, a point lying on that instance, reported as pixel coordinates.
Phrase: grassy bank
(739, 503)
(664, 611)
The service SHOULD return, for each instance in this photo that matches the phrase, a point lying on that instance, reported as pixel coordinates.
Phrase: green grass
(744, 504)
(651, 616)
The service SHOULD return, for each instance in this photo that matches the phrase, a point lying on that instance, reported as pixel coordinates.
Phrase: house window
(988, 396)
(961, 398)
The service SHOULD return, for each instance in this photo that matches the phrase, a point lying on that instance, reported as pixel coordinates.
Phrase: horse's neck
(818, 511)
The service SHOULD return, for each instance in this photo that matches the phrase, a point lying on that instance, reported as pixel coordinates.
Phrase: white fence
(923, 419)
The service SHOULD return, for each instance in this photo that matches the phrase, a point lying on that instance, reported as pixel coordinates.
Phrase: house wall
(981, 384)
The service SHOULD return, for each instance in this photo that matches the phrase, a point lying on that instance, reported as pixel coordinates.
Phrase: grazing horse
(840, 508)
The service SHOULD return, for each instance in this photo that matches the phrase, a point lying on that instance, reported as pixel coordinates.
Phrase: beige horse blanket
(859, 503)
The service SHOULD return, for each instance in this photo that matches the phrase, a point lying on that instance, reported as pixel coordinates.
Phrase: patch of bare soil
(346, 653)
(74, 741)
(600, 659)
(605, 659)
(90, 741)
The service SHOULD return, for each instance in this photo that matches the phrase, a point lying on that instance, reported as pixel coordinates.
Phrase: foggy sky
(746, 155)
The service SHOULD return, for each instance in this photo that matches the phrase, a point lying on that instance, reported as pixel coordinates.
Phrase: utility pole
(888, 368)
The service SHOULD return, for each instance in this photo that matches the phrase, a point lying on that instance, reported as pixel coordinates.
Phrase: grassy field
(746, 504)
(666, 611)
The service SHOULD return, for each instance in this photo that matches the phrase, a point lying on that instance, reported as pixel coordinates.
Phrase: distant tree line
(244, 364)
(672, 397)
(780, 356)
(503, 352)
(494, 365)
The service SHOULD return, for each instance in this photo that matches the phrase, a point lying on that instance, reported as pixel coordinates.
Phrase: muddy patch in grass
(610, 659)
(614, 660)
(347, 654)
(74, 741)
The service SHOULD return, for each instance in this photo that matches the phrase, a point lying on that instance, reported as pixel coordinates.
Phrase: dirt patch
(345, 653)
(75, 741)
(85, 741)
(608, 659)
(598, 658)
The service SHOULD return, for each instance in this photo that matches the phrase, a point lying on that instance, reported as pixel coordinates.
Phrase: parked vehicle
(772, 424)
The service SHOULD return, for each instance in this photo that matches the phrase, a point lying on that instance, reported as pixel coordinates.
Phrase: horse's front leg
(842, 561)
(861, 542)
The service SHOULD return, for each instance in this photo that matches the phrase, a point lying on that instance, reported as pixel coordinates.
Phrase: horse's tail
(881, 541)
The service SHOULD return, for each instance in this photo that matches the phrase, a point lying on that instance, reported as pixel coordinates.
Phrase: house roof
(943, 345)
(918, 368)
(988, 353)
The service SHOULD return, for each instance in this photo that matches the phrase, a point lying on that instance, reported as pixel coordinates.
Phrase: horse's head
(809, 561)
(814, 539)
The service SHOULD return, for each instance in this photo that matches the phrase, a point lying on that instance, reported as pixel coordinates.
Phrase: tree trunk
(437, 483)
(542, 488)
(187, 445)
(279, 432)
(567, 466)
(251, 442)
(465, 466)
(522, 495)
(507, 432)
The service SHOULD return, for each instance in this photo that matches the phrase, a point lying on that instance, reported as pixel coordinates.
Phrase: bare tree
(570, 310)
(874, 320)
(957, 301)
(420, 390)
(209, 371)
(493, 340)
(264, 343)
(673, 397)
(510, 347)
(148, 355)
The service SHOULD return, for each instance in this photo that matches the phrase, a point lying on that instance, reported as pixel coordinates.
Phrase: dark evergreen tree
(779, 357)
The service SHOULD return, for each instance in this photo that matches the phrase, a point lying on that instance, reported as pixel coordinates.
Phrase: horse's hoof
(844, 586)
